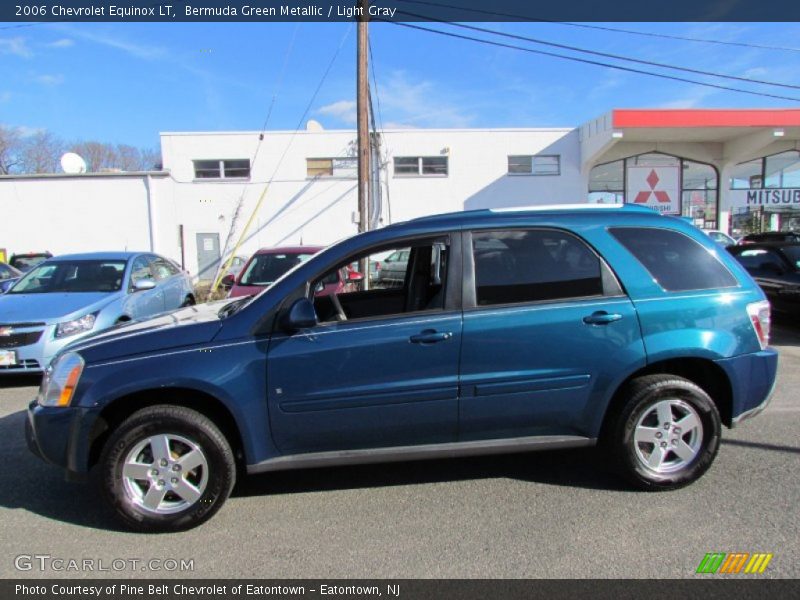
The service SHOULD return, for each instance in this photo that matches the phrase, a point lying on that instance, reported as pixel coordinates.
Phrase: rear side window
(518, 266)
(676, 261)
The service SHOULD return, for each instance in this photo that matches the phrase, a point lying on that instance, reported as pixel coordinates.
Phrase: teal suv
(502, 331)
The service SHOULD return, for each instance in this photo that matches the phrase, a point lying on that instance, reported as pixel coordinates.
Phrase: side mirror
(143, 285)
(354, 276)
(301, 315)
(228, 281)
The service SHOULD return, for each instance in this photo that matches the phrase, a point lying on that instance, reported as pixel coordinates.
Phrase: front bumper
(61, 436)
(753, 378)
(32, 357)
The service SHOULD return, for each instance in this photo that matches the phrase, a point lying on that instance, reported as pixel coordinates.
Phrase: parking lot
(552, 514)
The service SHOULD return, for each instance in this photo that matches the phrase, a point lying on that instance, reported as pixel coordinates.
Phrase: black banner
(398, 10)
(710, 587)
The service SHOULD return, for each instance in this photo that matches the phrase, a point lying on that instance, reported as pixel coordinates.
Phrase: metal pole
(362, 108)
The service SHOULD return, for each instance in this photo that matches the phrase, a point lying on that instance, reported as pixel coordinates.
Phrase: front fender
(233, 373)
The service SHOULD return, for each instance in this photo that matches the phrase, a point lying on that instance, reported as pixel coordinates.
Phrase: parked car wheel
(188, 301)
(167, 468)
(667, 434)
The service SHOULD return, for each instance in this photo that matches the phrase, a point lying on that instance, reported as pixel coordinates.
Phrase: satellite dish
(314, 126)
(73, 164)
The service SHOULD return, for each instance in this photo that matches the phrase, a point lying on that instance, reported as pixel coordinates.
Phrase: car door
(385, 376)
(546, 328)
(143, 303)
(168, 281)
(772, 273)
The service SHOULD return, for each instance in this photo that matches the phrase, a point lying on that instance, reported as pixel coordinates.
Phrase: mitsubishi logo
(6, 331)
(652, 180)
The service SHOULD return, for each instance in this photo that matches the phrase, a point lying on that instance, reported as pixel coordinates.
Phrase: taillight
(759, 313)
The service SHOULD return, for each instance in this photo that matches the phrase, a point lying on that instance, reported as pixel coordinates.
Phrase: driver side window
(391, 281)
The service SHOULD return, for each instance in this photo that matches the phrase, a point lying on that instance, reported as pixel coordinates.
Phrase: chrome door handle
(601, 317)
(429, 336)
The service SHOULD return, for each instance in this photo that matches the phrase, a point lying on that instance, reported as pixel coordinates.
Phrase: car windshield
(72, 276)
(24, 263)
(793, 254)
(264, 269)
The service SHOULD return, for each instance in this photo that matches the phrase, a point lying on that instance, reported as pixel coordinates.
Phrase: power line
(606, 54)
(375, 84)
(591, 62)
(518, 17)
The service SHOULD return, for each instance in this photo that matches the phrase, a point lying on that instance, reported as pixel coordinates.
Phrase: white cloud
(137, 50)
(26, 132)
(16, 46)
(62, 43)
(692, 99)
(49, 80)
(420, 103)
(343, 110)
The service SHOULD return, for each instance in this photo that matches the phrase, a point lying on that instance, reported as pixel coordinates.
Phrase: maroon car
(268, 264)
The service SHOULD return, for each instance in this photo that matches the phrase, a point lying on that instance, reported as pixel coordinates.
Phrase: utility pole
(362, 108)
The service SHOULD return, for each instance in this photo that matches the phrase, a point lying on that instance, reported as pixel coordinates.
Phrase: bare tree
(96, 154)
(10, 147)
(41, 153)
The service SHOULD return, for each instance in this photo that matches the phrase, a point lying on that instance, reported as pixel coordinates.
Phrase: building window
(607, 183)
(222, 169)
(775, 171)
(698, 184)
(535, 164)
(428, 166)
(345, 168)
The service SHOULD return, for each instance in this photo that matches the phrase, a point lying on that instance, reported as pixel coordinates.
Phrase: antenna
(73, 164)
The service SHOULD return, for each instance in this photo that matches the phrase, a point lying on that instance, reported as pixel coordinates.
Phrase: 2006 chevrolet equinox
(512, 330)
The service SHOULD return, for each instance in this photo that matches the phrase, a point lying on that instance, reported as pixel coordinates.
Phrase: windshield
(264, 269)
(25, 263)
(72, 276)
(793, 254)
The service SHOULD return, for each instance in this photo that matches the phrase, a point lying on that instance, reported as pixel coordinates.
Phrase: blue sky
(123, 83)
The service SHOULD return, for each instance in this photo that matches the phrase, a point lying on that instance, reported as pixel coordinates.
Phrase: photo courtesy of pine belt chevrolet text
(499, 331)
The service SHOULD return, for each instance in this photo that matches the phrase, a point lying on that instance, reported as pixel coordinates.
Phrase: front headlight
(60, 380)
(67, 328)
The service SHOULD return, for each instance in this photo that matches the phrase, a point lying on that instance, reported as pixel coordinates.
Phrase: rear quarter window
(677, 262)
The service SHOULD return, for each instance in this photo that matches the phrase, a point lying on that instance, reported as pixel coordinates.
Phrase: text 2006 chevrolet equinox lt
(511, 331)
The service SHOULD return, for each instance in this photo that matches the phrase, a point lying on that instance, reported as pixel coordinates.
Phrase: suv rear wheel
(166, 468)
(667, 433)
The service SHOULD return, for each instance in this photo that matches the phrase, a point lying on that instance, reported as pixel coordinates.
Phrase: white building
(719, 167)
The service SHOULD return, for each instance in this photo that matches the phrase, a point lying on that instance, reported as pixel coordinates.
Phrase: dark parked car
(513, 331)
(776, 268)
(771, 237)
(8, 277)
(25, 262)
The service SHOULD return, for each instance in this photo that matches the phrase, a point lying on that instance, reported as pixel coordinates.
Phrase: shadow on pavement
(580, 468)
(30, 484)
(15, 381)
(760, 446)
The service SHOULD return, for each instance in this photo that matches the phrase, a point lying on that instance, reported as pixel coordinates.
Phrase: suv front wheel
(667, 433)
(166, 468)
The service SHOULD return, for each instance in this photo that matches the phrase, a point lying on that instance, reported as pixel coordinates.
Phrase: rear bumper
(753, 378)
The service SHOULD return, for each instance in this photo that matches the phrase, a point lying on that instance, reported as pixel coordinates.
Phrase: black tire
(217, 475)
(188, 301)
(641, 397)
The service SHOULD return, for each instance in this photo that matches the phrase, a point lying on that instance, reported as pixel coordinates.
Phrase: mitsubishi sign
(775, 198)
(656, 187)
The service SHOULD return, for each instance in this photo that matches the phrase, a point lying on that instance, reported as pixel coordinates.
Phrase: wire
(282, 157)
(606, 54)
(591, 62)
(375, 81)
(518, 17)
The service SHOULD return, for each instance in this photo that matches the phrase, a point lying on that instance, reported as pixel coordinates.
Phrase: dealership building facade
(225, 192)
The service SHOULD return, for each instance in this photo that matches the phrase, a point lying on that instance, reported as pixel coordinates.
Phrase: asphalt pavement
(549, 514)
